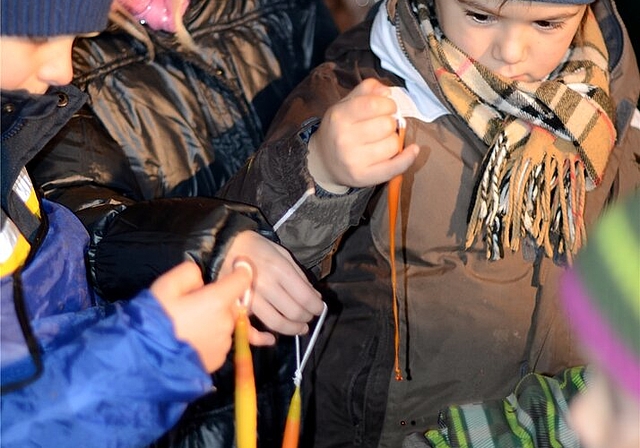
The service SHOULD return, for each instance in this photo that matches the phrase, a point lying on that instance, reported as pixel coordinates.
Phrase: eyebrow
(496, 12)
(476, 5)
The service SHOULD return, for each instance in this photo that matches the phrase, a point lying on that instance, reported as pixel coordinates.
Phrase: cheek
(454, 26)
(545, 55)
(545, 59)
(473, 43)
(21, 66)
(474, 48)
(15, 75)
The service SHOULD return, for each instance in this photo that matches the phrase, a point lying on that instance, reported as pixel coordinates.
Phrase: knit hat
(45, 18)
(566, 2)
(601, 294)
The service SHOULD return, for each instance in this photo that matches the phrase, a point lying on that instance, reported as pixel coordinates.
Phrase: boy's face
(521, 40)
(35, 64)
(606, 417)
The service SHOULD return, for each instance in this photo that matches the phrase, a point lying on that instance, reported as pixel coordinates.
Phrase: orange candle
(292, 428)
(393, 198)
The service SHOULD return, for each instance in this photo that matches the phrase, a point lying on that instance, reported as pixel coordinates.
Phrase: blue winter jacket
(75, 371)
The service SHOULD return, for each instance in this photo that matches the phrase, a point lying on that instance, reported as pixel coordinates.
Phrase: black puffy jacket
(163, 125)
(166, 122)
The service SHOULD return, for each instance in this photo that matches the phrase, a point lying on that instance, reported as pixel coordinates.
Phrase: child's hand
(203, 316)
(356, 144)
(283, 299)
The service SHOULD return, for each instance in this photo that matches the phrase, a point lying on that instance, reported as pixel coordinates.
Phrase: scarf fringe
(540, 196)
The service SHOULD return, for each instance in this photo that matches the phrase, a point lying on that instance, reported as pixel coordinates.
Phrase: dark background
(630, 12)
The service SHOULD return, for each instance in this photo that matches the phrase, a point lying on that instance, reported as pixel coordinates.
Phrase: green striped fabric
(534, 415)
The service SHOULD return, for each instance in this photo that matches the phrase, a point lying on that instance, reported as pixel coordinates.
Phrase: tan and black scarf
(549, 141)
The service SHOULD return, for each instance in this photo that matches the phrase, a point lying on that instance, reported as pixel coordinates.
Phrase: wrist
(319, 173)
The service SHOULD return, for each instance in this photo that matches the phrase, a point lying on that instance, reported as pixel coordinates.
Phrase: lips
(521, 78)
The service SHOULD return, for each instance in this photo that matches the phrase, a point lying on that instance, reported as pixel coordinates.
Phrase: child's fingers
(186, 279)
(370, 86)
(178, 281)
(361, 108)
(229, 287)
(367, 100)
(386, 170)
(401, 162)
(374, 129)
(261, 338)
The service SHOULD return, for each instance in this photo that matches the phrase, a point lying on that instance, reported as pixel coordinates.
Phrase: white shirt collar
(417, 100)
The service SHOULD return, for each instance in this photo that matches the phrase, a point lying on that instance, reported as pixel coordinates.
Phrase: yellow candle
(246, 403)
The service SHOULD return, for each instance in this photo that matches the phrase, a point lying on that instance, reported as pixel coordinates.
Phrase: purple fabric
(612, 356)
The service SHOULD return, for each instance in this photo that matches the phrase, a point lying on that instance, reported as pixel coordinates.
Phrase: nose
(512, 46)
(57, 70)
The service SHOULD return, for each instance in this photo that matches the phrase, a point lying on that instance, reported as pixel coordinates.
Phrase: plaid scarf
(549, 141)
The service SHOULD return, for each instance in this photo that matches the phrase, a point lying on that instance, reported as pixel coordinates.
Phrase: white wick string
(400, 120)
(294, 208)
(297, 378)
(245, 302)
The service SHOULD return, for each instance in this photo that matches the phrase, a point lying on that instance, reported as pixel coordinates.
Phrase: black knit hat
(566, 2)
(44, 18)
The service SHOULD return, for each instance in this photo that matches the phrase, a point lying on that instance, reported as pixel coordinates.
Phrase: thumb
(261, 338)
(178, 281)
(233, 286)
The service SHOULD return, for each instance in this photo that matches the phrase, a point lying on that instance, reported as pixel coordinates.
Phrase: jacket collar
(384, 44)
(28, 123)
